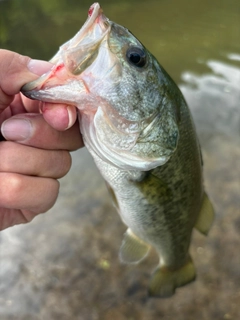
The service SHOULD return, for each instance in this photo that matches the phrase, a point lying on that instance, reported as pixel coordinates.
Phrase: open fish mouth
(73, 57)
(95, 72)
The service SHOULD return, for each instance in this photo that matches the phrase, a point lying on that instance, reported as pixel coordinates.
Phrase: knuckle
(15, 183)
(6, 151)
(64, 163)
(11, 186)
(12, 64)
(50, 196)
(67, 162)
(4, 98)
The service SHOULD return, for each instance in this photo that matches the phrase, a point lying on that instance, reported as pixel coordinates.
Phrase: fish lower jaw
(75, 94)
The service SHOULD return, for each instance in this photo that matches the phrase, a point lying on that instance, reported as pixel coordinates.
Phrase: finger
(11, 217)
(15, 107)
(27, 193)
(31, 106)
(33, 130)
(16, 70)
(59, 116)
(27, 160)
(5, 99)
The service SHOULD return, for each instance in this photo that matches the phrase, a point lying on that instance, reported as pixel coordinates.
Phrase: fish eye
(136, 56)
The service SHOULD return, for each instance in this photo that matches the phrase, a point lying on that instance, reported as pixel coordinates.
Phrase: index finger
(17, 70)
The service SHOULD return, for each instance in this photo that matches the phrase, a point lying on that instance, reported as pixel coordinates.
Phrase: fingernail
(41, 107)
(71, 119)
(16, 129)
(39, 67)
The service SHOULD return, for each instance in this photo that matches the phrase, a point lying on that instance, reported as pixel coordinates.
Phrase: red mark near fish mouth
(55, 69)
(59, 67)
(95, 7)
(90, 11)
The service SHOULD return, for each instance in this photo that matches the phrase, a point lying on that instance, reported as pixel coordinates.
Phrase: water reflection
(64, 265)
(217, 96)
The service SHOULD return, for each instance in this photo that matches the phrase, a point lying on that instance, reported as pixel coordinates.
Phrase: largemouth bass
(139, 130)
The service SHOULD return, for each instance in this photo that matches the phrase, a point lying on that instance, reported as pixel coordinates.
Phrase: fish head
(128, 105)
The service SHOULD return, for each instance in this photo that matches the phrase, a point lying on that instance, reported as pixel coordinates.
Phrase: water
(64, 264)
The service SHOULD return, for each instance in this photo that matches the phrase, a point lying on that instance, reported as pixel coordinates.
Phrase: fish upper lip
(95, 15)
(89, 36)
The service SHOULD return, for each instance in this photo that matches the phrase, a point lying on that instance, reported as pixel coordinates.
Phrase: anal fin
(133, 249)
(164, 281)
(206, 216)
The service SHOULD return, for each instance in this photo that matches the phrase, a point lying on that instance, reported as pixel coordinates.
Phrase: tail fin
(164, 281)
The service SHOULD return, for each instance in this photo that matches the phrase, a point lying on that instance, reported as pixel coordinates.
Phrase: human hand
(36, 152)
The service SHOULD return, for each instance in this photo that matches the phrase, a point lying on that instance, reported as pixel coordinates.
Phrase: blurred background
(64, 264)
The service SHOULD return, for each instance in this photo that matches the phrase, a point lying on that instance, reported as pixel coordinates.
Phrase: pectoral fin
(164, 280)
(133, 249)
(113, 195)
(206, 216)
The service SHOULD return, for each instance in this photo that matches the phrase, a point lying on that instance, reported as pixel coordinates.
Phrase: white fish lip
(73, 54)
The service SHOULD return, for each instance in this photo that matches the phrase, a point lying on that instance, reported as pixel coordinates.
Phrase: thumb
(16, 70)
(32, 130)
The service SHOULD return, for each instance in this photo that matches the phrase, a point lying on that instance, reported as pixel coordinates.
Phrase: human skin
(35, 144)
